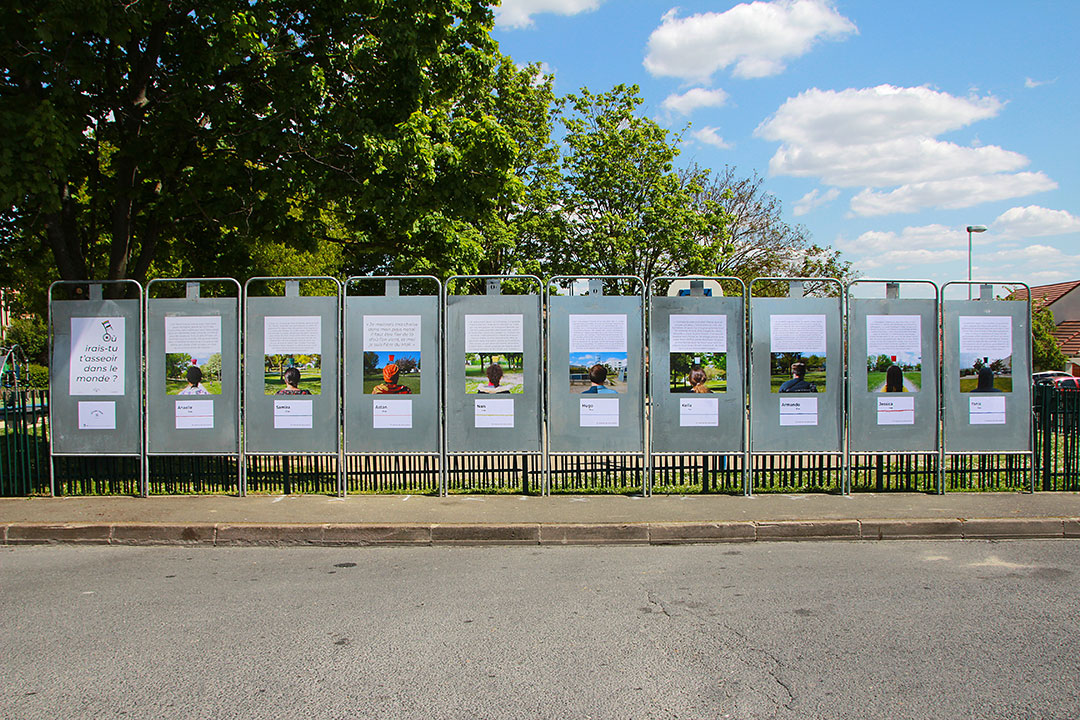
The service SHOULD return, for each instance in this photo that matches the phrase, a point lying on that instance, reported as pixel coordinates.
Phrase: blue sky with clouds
(885, 128)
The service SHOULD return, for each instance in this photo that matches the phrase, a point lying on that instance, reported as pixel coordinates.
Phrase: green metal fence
(24, 466)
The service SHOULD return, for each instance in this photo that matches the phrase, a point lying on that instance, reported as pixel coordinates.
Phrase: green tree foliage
(616, 205)
(31, 335)
(227, 137)
(1046, 354)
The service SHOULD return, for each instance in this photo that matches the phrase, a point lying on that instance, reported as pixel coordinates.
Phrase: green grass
(410, 380)
(471, 385)
(874, 380)
(173, 387)
(970, 382)
(717, 385)
(308, 381)
(816, 378)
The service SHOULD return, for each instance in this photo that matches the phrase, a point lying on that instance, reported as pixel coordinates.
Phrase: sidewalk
(514, 519)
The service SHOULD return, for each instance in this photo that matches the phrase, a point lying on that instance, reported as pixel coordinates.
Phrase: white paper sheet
(986, 336)
(293, 414)
(494, 334)
(798, 411)
(292, 335)
(896, 410)
(698, 333)
(391, 414)
(893, 334)
(97, 415)
(97, 356)
(390, 333)
(194, 414)
(987, 409)
(599, 412)
(597, 333)
(196, 335)
(797, 333)
(493, 413)
(699, 412)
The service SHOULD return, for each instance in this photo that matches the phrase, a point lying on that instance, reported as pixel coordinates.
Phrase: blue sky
(885, 128)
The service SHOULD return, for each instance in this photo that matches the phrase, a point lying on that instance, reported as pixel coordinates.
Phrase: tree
(760, 242)
(239, 138)
(617, 206)
(1046, 353)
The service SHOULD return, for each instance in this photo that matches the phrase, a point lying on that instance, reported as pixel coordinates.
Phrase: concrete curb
(427, 534)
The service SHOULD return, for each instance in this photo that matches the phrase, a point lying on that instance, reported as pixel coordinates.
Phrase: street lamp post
(972, 229)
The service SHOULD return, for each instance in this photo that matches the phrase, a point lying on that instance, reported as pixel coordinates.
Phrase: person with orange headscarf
(390, 386)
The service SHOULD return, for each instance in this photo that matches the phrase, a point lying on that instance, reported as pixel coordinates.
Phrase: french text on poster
(391, 333)
(391, 414)
(599, 412)
(598, 333)
(97, 356)
(896, 411)
(97, 415)
(795, 412)
(986, 335)
(986, 410)
(292, 334)
(697, 333)
(893, 334)
(497, 413)
(699, 412)
(797, 334)
(293, 414)
(486, 334)
(194, 414)
(196, 335)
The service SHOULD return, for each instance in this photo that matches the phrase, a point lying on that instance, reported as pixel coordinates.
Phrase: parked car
(1041, 378)
(1065, 383)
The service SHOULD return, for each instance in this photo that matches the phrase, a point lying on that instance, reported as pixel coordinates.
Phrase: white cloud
(711, 136)
(518, 13)
(923, 237)
(1034, 221)
(757, 38)
(693, 99)
(885, 137)
(814, 199)
(1029, 83)
(951, 194)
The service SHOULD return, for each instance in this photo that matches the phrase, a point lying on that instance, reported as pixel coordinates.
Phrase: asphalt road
(779, 630)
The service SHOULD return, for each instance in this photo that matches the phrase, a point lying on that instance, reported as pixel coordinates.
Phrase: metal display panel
(796, 422)
(296, 424)
(186, 419)
(95, 378)
(900, 416)
(403, 331)
(607, 330)
(980, 420)
(493, 324)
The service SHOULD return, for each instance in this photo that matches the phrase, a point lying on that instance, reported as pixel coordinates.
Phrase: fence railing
(24, 466)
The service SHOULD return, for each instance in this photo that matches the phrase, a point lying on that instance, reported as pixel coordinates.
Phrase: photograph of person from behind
(798, 383)
(194, 379)
(291, 376)
(389, 385)
(493, 386)
(598, 382)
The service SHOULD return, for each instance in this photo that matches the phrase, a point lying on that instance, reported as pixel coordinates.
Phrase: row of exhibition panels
(119, 381)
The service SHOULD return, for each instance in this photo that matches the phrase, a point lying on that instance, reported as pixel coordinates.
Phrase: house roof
(1067, 335)
(1046, 294)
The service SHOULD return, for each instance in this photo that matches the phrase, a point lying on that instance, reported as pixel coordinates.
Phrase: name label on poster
(699, 412)
(599, 412)
(896, 411)
(986, 410)
(97, 415)
(194, 414)
(391, 414)
(498, 413)
(293, 414)
(798, 412)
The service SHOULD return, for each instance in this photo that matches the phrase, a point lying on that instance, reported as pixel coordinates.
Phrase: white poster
(494, 334)
(698, 333)
(97, 356)
(893, 334)
(391, 333)
(987, 336)
(196, 335)
(798, 411)
(599, 412)
(597, 333)
(699, 412)
(986, 410)
(292, 414)
(895, 410)
(797, 334)
(97, 415)
(391, 414)
(194, 414)
(496, 413)
(292, 335)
